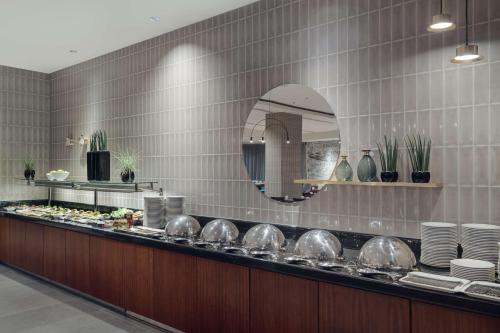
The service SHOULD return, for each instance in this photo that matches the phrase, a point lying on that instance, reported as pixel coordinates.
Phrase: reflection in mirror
(291, 133)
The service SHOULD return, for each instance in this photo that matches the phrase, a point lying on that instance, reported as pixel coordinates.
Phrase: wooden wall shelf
(375, 184)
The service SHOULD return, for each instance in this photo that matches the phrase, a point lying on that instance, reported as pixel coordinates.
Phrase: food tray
(434, 282)
(142, 231)
(484, 290)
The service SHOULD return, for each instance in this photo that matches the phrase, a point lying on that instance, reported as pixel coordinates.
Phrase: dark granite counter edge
(456, 301)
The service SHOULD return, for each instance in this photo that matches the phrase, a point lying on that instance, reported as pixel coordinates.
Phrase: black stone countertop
(456, 301)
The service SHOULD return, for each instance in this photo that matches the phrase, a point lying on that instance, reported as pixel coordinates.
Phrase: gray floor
(30, 305)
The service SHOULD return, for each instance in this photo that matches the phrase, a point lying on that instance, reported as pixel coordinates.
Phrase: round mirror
(291, 134)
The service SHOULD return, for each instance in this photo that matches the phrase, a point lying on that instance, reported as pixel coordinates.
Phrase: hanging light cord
(442, 7)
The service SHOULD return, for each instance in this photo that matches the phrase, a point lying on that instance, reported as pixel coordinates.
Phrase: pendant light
(467, 53)
(441, 22)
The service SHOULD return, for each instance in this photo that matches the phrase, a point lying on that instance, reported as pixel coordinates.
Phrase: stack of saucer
(480, 242)
(473, 270)
(153, 212)
(439, 243)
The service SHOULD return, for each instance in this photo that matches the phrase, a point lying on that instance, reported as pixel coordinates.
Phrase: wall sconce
(82, 140)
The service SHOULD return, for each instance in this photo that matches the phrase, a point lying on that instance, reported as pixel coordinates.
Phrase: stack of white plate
(153, 212)
(175, 205)
(498, 265)
(480, 241)
(439, 243)
(473, 270)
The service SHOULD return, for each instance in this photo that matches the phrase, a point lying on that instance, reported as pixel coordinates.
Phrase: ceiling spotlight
(262, 140)
(441, 22)
(251, 140)
(154, 19)
(287, 141)
(467, 53)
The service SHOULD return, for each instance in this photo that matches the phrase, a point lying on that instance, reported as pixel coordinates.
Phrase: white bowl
(59, 175)
(49, 176)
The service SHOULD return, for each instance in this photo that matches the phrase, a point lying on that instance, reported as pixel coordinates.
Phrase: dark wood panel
(17, 237)
(77, 261)
(4, 240)
(436, 319)
(175, 290)
(343, 309)
(54, 261)
(223, 297)
(33, 257)
(106, 270)
(282, 304)
(138, 279)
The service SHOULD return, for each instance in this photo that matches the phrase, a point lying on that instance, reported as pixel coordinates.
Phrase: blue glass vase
(367, 169)
(343, 171)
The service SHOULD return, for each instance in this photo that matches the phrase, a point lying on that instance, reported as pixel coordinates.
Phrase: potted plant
(98, 158)
(388, 160)
(127, 162)
(29, 168)
(419, 151)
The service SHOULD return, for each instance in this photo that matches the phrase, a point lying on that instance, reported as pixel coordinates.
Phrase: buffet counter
(207, 290)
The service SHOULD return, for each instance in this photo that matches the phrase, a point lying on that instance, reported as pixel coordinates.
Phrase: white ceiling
(38, 34)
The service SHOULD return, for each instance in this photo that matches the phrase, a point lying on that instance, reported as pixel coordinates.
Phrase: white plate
(480, 226)
(439, 225)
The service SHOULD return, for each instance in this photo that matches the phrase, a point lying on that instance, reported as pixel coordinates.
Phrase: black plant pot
(98, 165)
(32, 174)
(128, 177)
(27, 174)
(90, 165)
(420, 176)
(389, 176)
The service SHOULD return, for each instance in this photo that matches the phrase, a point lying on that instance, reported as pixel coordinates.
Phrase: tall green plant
(127, 161)
(99, 141)
(29, 164)
(388, 154)
(419, 151)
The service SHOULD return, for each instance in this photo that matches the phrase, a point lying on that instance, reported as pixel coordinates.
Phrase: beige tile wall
(181, 100)
(24, 129)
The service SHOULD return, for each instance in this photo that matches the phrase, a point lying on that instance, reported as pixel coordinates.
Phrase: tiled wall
(181, 100)
(24, 129)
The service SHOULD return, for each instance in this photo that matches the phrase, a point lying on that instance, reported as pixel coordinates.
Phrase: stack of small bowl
(153, 212)
(439, 243)
(480, 242)
(473, 270)
(175, 205)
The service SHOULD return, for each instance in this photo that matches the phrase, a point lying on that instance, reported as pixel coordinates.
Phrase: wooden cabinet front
(77, 261)
(343, 309)
(54, 263)
(282, 304)
(17, 238)
(175, 290)
(106, 270)
(4, 240)
(33, 248)
(428, 318)
(223, 297)
(138, 279)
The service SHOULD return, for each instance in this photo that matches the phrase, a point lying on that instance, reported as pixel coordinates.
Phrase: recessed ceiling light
(155, 19)
(73, 51)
